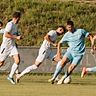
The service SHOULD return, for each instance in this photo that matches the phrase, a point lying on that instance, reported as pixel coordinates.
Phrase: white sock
(93, 69)
(28, 69)
(13, 69)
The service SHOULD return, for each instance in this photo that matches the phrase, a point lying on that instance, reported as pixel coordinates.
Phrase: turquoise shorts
(73, 59)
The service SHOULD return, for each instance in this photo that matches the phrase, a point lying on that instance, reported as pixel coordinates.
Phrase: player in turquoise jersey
(75, 38)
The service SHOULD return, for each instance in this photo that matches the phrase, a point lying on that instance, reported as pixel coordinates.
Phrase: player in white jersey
(45, 50)
(8, 47)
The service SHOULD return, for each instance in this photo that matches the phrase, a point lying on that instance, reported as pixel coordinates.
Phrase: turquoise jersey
(75, 41)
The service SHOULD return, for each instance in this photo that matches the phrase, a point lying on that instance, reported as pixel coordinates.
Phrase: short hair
(62, 27)
(69, 22)
(1, 23)
(16, 14)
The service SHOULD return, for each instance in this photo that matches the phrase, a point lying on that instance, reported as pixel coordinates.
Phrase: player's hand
(19, 37)
(92, 51)
(55, 45)
(57, 57)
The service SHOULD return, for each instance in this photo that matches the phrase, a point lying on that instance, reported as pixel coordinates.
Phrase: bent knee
(17, 61)
(72, 66)
(64, 61)
(37, 63)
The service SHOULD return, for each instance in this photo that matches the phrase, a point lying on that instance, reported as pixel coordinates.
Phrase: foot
(61, 81)
(17, 78)
(57, 79)
(11, 80)
(67, 80)
(51, 80)
(84, 72)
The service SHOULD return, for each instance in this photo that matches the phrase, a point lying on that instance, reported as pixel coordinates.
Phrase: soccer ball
(67, 80)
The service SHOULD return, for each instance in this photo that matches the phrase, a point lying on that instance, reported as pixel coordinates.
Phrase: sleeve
(51, 33)
(64, 39)
(85, 33)
(2, 31)
(8, 27)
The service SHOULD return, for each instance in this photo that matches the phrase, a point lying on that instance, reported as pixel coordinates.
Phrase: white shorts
(45, 54)
(5, 52)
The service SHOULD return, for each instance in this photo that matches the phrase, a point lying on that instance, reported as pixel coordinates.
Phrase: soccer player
(8, 47)
(45, 50)
(75, 38)
(92, 69)
(1, 27)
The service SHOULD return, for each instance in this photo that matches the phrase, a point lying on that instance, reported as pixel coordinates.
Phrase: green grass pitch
(37, 85)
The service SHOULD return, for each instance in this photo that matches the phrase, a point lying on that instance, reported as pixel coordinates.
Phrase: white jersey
(9, 42)
(2, 31)
(45, 51)
(53, 36)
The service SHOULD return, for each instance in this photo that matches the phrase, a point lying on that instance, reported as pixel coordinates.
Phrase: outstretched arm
(47, 37)
(8, 35)
(59, 49)
(93, 42)
(58, 55)
(92, 39)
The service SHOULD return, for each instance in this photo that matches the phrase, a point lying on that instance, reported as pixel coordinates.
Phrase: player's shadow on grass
(43, 81)
(84, 83)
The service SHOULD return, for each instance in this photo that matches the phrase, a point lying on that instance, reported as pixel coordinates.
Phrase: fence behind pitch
(29, 54)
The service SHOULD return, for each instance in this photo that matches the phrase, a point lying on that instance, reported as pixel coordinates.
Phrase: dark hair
(1, 23)
(69, 22)
(62, 27)
(16, 14)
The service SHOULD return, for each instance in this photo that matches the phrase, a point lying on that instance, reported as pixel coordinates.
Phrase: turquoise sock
(58, 70)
